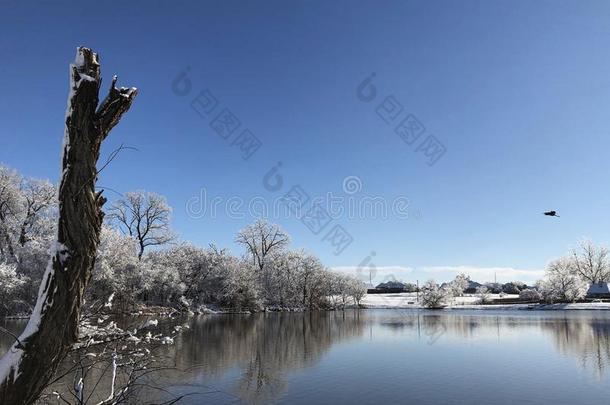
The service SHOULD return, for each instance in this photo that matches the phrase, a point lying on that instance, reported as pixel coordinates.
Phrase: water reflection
(255, 358)
(583, 335)
(265, 346)
(586, 339)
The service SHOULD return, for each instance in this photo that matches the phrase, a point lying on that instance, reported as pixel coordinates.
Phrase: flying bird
(551, 214)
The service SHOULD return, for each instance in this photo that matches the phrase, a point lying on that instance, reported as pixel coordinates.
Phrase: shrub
(530, 295)
(484, 295)
(434, 297)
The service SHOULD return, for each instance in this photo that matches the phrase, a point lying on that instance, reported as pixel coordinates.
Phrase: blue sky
(517, 92)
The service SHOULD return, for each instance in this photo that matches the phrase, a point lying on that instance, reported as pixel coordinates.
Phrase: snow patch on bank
(409, 300)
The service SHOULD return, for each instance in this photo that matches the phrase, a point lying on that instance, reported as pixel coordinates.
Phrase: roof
(599, 288)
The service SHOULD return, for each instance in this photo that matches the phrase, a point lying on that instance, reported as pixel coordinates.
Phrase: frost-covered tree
(357, 289)
(52, 329)
(562, 282)
(39, 196)
(262, 239)
(116, 271)
(27, 213)
(33, 259)
(227, 272)
(318, 288)
(311, 280)
(282, 287)
(143, 216)
(197, 269)
(345, 289)
(339, 289)
(591, 262)
(568, 277)
(484, 294)
(11, 284)
(459, 284)
(186, 277)
(264, 243)
(240, 287)
(10, 208)
(164, 285)
(432, 296)
(530, 295)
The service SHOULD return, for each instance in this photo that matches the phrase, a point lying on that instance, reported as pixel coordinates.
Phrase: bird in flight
(551, 214)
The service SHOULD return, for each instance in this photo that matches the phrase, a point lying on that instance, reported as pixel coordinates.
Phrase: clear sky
(518, 92)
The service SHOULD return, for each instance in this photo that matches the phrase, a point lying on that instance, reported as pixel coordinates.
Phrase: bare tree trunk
(28, 366)
(9, 246)
(10, 254)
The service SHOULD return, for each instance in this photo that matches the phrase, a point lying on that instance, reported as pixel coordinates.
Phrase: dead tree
(52, 329)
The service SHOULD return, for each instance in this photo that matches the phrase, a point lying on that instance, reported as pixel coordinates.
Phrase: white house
(599, 290)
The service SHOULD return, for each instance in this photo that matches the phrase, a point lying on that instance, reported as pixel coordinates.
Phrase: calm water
(377, 356)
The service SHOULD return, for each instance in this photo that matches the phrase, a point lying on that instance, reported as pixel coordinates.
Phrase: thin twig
(110, 158)
(8, 332)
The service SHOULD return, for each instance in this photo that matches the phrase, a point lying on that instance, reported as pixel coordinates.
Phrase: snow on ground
(409, 300)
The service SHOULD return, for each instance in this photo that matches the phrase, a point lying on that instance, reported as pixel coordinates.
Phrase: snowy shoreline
(370, 301)
(408, 301)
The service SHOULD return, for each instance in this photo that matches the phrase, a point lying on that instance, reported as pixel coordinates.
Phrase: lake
(377, 356)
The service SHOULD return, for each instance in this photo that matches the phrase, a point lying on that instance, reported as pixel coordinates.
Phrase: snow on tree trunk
(29, 364)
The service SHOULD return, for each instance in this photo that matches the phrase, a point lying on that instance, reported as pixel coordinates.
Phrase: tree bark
(52, 329)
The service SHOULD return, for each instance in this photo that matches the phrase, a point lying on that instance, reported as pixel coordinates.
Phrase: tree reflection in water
(584, 335)
(253, 356)
(265, 346)
(585, 338)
